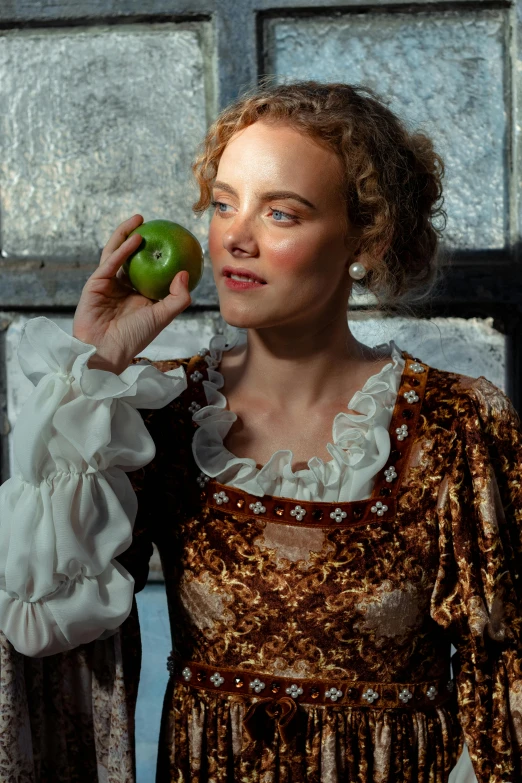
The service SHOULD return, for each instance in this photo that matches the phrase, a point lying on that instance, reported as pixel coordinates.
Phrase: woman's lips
(242, 285)
(240, 271)
(248, 279)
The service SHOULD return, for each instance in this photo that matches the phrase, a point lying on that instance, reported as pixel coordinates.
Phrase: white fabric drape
(68, 509)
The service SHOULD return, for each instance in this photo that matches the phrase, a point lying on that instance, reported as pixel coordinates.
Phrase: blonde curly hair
(392, 179)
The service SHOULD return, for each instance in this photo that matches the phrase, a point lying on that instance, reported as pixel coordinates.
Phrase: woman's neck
(299, 373)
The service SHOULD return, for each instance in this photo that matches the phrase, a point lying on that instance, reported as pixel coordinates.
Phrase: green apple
(167, 249)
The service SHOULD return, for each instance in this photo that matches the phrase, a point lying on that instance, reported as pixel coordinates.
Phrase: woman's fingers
(120, 236)
(173, 304)
(112, 264)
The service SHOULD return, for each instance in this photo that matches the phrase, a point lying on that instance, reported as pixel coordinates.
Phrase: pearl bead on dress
(370, 695)
(294, 691)
(333, 694)
(257, 685)
(298, 512)
(217, 679)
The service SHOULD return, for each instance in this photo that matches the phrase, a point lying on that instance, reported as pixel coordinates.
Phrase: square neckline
(277, 508)
(295, 469)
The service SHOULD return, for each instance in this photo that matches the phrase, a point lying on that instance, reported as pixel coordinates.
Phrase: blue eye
(290, 218)
(219, 204)
(278, 211)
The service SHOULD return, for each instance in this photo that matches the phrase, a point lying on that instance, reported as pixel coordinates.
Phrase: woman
(314, 587)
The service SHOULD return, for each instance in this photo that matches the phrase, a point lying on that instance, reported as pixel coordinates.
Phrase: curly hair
(391, 184)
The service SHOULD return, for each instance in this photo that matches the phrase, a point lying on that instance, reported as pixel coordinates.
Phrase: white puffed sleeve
(69, 508)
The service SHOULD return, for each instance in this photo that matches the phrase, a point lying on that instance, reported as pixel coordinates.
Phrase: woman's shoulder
(468, 395)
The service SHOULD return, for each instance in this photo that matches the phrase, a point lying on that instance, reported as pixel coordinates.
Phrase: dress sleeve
(68, 510)
(147, 488)
(478, 596)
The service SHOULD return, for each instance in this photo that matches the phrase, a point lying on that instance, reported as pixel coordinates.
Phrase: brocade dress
(312, 612)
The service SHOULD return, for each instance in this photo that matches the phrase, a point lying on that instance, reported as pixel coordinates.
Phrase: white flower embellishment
(298, 512)
(431, 692)
(194, 406)
(187, 674)
(338, 515)
(294, 691)
(220, 497)
(333, 694)
(390, 473)
(405, 694)
(196, 376)
(416, 367)
(379, 509)
(202, 479)
(257, 507)
(411, 396)
(370, 695)
(257, 685)
(217, 679)
(402, 432)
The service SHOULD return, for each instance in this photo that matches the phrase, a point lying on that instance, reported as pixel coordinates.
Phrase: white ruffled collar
(360, 448)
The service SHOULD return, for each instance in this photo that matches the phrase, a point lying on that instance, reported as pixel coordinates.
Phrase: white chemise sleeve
(69, 508)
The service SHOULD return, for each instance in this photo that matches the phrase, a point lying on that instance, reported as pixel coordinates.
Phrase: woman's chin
(239, 320)
(244, 317)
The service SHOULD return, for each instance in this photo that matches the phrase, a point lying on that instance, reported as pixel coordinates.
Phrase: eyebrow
(268, 195)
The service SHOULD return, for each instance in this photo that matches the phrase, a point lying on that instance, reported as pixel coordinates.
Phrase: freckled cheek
(307, 257)
(215, 241)
(303, 259)
(290, 256)
(286, 261)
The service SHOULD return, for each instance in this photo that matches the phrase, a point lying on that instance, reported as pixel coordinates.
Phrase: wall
(103, 105)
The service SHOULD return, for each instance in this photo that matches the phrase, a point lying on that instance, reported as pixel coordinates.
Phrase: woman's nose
(239, 237)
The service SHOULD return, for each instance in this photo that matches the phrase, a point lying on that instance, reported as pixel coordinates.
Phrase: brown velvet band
(424, 695)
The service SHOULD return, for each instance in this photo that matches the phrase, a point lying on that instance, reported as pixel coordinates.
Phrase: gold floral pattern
(203, 600)
(291, 545)
(389, 611)
(378, 600)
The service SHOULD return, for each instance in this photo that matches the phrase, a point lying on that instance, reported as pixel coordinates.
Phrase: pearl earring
(357, 270)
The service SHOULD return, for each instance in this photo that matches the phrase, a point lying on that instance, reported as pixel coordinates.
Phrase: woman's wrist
(96, 362)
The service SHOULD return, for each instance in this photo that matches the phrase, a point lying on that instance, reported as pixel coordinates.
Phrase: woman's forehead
(279, 157)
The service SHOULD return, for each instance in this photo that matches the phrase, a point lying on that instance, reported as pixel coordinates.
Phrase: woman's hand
(119, 321)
